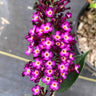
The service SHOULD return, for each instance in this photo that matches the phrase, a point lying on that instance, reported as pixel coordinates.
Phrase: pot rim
(76, 26)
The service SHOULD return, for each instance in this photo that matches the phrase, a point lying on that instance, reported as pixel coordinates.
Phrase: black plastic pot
(75, 29)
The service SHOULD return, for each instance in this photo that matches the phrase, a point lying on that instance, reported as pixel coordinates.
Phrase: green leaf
(42, 85)
(93, 5)
(72, 77)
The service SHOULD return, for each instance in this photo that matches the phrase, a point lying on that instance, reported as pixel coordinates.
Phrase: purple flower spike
(37, 64)
(64, 75)
(65, 26)
(47, 28)
(48, 43)
(35, 73)
(29, 51)
(77, 67)
(35, 17)
(32, 30)
(54, 85)
(57, 36)
(36, 52)
(36, 90)
(69, 15)
(27, 71)
(62, 67)
(47, 55)
(47, 80)
(49, 72)
(49, 12)
(49, 64)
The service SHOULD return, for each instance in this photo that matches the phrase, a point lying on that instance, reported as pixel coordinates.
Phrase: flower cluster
(51, 43)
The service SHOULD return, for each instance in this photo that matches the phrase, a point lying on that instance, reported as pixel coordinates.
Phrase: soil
(86, 34)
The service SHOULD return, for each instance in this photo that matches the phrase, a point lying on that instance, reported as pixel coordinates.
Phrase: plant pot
(75, 29)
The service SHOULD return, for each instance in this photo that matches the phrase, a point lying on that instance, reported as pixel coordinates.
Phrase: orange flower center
(57, 37)
(46, 28)
(54, 85)
(28, 71)
(64, 51)
(50, 12)
(47, 79)
(37, 51)
(57, 43)
(36, 72)
(36, 90)
(46, 54)
(63, 58)
(65, 27)
(48, 42)
(49, 63)
(49, 71)
(38, 63)
(41, 30)
(65, 37)
(62, 67)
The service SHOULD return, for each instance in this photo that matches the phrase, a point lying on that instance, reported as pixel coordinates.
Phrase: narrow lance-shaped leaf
(72, 77)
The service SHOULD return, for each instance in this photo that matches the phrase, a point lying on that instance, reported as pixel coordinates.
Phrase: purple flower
(63, 45)
(62, 67)
(77, 67)
(47, 80)
(63, 59)
(66, 37)
(35, 17)
(57, 43)
(29, 51)
(30, 38)
(37, 64)
(36, 52)
(49, 64)
(32, 78)
(48, 43)
(32, 30)
(47, 55)
(60, 80)
(36, 90)
(47, 28)
(27, 71)
(54, 85)
(49, 12)
(65, 26)
(57, 36)
(64, 51)
(71, 56)
(69, 15)
(39, 30)
(64, 75)
(49, 72)
(35, 73)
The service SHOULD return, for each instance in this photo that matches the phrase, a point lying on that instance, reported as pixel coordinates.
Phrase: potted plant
(51, 43)
(86, 32)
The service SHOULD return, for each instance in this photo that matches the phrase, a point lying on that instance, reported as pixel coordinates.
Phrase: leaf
(72, 77)
(93, 5)
(34, 7)
(42, 85)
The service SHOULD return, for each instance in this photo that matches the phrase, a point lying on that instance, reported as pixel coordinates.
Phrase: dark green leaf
(93, 5)
(72, 77)
(42, 85)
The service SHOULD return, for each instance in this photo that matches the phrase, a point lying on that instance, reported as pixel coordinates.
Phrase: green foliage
(72, 77)
(42, 85)
(93, 5)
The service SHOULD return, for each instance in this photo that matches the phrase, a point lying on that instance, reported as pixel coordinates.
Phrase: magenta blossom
(67, 37)
(77, 67)
(36, 90)
(36, 52)
(49, 12)
(54, 85)
(49, 64)
(47, 80)
(39, 31)
(35, 17)
(47, 54)
(29, 51)
(49, 72)
(69, 15)
(35, 73)
(62, 67)
(65, 26)
(32, 30)
(27, 71)
(64, 75)
(32, 78)
(47, 28)
(57, 36)
(71, 56)
(63, 59)
(48, 43)
(37, 64)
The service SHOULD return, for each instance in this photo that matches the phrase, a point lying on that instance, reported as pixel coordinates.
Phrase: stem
(54, 94)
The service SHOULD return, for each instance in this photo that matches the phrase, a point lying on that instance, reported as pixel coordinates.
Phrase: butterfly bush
(51, 43)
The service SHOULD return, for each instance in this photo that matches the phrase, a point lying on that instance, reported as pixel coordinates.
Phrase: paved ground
(15, 16)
